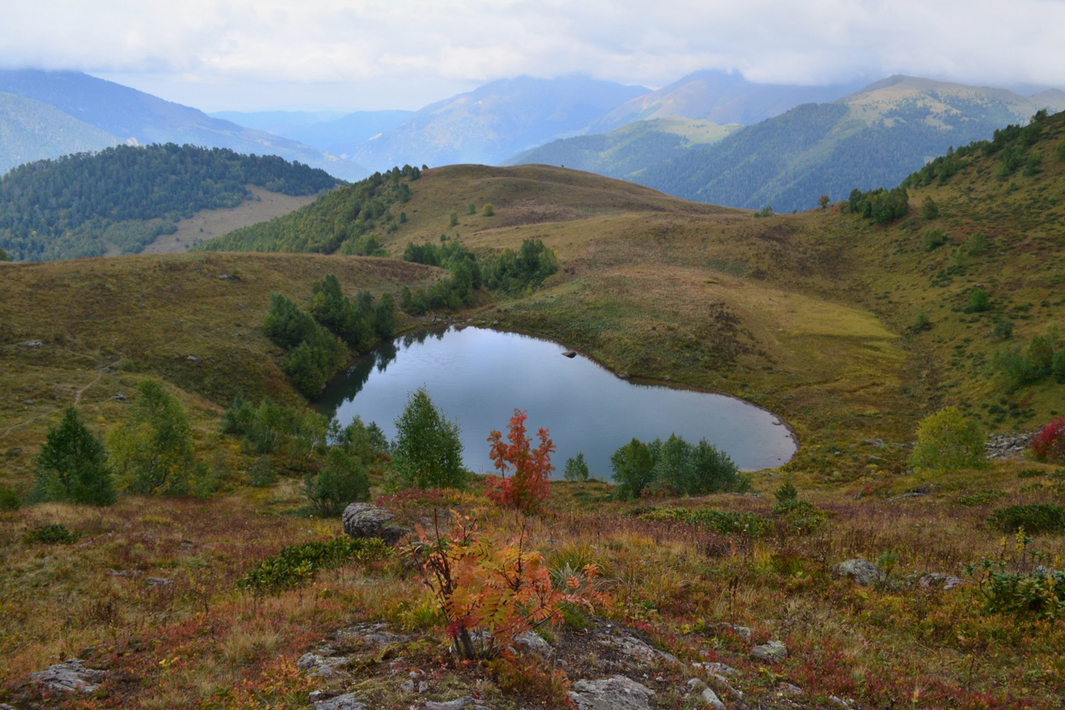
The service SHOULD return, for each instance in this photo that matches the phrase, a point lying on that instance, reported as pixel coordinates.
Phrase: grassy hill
(628, 149)
(816, 316)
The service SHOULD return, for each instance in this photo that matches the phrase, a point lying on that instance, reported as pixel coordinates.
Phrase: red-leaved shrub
(1048, 444)
(529, 486)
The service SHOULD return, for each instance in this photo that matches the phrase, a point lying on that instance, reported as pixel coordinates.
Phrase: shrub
(1003, 329)
(1048, 444)
(427, 451)
(921, 323)
(488, 210)
(298, 564)
(1034, 518)
(529, 487)
(933, 239)
(800, 516)
(153, 451)
(976, 244)
(276, 428)
(576, 469)
(72, 465)
(9, 500)
(978, 301)
(471, 208)
(929, 208)
(948, 441)
(341, 480)
(491, 591)
(719, 521)
(51, 535)
(633, 468)
(786, 492)
(262, 473)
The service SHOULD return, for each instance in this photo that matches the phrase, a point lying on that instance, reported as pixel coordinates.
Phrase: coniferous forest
(124, 197)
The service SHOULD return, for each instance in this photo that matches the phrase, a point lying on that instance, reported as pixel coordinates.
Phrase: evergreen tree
(72, 465)
(427, 451)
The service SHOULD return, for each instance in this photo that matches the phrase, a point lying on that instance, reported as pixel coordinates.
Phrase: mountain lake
(477, 377)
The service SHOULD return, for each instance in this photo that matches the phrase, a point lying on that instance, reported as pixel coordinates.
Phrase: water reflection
(477, 377)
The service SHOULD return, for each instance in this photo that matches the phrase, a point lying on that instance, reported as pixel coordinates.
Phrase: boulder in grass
(362, 520)
(861, 571)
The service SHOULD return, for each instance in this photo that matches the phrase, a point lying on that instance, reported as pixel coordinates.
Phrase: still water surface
(477, 377)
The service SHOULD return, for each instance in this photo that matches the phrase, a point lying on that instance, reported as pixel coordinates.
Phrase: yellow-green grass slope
(194, 321)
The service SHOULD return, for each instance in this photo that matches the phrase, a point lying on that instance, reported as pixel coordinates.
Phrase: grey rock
(861, 571)
(407, 686)
(193, 358)
(119, 397)
(772, 651)
(742, 631)
(68, 676)
(362, 520)
(31, 344)
(635, 648)
(570, 354)
(533, 643)
(369, 633)
(321, 665)
(456, 704)
(720, 669)
(786, 689)
(935, 580)
(157, 582)
(710, 698)
(341, 702)
(617, 693)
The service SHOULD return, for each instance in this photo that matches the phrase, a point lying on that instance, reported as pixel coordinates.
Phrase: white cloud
(428, 46)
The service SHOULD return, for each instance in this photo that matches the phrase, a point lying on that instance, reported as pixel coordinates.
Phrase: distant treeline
(347, 221)
(124, 197)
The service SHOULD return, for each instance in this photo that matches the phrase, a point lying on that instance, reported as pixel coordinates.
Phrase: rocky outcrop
(772, 651)
(617, 693)
(861, 571)
(68, 676)
(1007, 446)
(362, 520)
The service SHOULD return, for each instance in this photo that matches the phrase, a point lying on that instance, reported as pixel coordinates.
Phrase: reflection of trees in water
(383, 356)
(421, 336)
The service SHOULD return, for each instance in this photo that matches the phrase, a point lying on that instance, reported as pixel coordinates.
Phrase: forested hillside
(345, 220)
(120, 199)
(871, 139)
(628, 149)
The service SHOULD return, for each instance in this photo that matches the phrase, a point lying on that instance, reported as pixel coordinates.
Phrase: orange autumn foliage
(529, 485)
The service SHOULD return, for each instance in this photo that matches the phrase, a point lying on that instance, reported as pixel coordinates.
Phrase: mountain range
(91, 114)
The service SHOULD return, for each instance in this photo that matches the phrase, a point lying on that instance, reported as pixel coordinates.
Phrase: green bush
(488, 210)
(72, 465)
(1020, 593)
(52, 535)
(980, 498)
(933, 239)
(342, 479)
(978, 301)
(427, 451)
(262, 473)
(1003, 329)
(152, 451)
(298, 564)
(1034, 518)
(800, 516)
(948, 441)
(719, 521)
(576, 469)
(9, 500)
(675, 467)
(929, 208)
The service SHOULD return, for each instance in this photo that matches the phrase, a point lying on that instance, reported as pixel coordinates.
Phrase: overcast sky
(376, 54)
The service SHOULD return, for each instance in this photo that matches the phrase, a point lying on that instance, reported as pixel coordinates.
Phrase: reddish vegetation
(1049, 442)
(529, 487)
